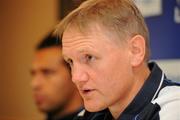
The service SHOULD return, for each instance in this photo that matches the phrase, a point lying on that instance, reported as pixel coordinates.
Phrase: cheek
(56, 84)
(61, 89)
(114, 76)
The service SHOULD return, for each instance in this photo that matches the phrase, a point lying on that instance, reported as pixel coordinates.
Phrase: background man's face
(100, 69)
(51, 81)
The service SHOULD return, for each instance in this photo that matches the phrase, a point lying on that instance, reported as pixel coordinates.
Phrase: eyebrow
(64, 56)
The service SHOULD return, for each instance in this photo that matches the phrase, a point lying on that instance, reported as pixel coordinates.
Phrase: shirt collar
(146, 93)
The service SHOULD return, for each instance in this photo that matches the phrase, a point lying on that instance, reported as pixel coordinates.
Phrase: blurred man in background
(53, 90)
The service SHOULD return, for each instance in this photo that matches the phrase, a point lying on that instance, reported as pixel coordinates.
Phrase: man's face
(51, 81)
(101, 69)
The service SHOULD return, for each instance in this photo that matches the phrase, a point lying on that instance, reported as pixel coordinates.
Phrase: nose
(36, 82)
(79, 75)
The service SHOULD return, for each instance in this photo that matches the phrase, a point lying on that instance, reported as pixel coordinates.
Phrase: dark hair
(50, 40)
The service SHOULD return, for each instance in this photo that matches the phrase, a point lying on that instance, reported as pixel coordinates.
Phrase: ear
(137, 50)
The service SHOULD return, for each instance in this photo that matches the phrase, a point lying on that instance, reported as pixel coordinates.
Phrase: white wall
(171, 68)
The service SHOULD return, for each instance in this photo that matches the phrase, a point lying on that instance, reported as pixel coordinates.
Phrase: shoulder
(169, 102)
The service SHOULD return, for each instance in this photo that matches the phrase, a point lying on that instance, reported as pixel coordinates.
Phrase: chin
(94, 107)
(44, 109)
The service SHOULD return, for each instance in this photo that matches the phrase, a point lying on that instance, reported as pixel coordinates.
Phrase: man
(53, 90)
(106, 45)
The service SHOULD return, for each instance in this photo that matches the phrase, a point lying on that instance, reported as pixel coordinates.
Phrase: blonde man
(106, 43)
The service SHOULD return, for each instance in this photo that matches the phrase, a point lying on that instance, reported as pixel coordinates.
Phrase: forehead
(48, 56)
(49, 52)
(92, 33)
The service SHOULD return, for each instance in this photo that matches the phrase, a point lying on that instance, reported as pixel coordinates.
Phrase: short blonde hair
(121, 17)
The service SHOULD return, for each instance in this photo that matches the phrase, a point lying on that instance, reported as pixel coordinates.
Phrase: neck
(140, 75)
(72, 106)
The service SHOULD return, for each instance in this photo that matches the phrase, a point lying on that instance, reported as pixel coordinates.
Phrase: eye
(89, 58)
(33, 72)
(47, 72)
(70, 62)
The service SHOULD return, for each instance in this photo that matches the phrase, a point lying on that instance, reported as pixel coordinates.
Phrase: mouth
(38, 99)
(87, 92)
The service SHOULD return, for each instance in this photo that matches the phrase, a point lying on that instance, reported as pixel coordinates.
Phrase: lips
(39, 99)
(86, 92)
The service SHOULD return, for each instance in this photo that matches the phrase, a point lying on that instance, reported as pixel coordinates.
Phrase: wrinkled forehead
(84, 29)
(92, 29)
